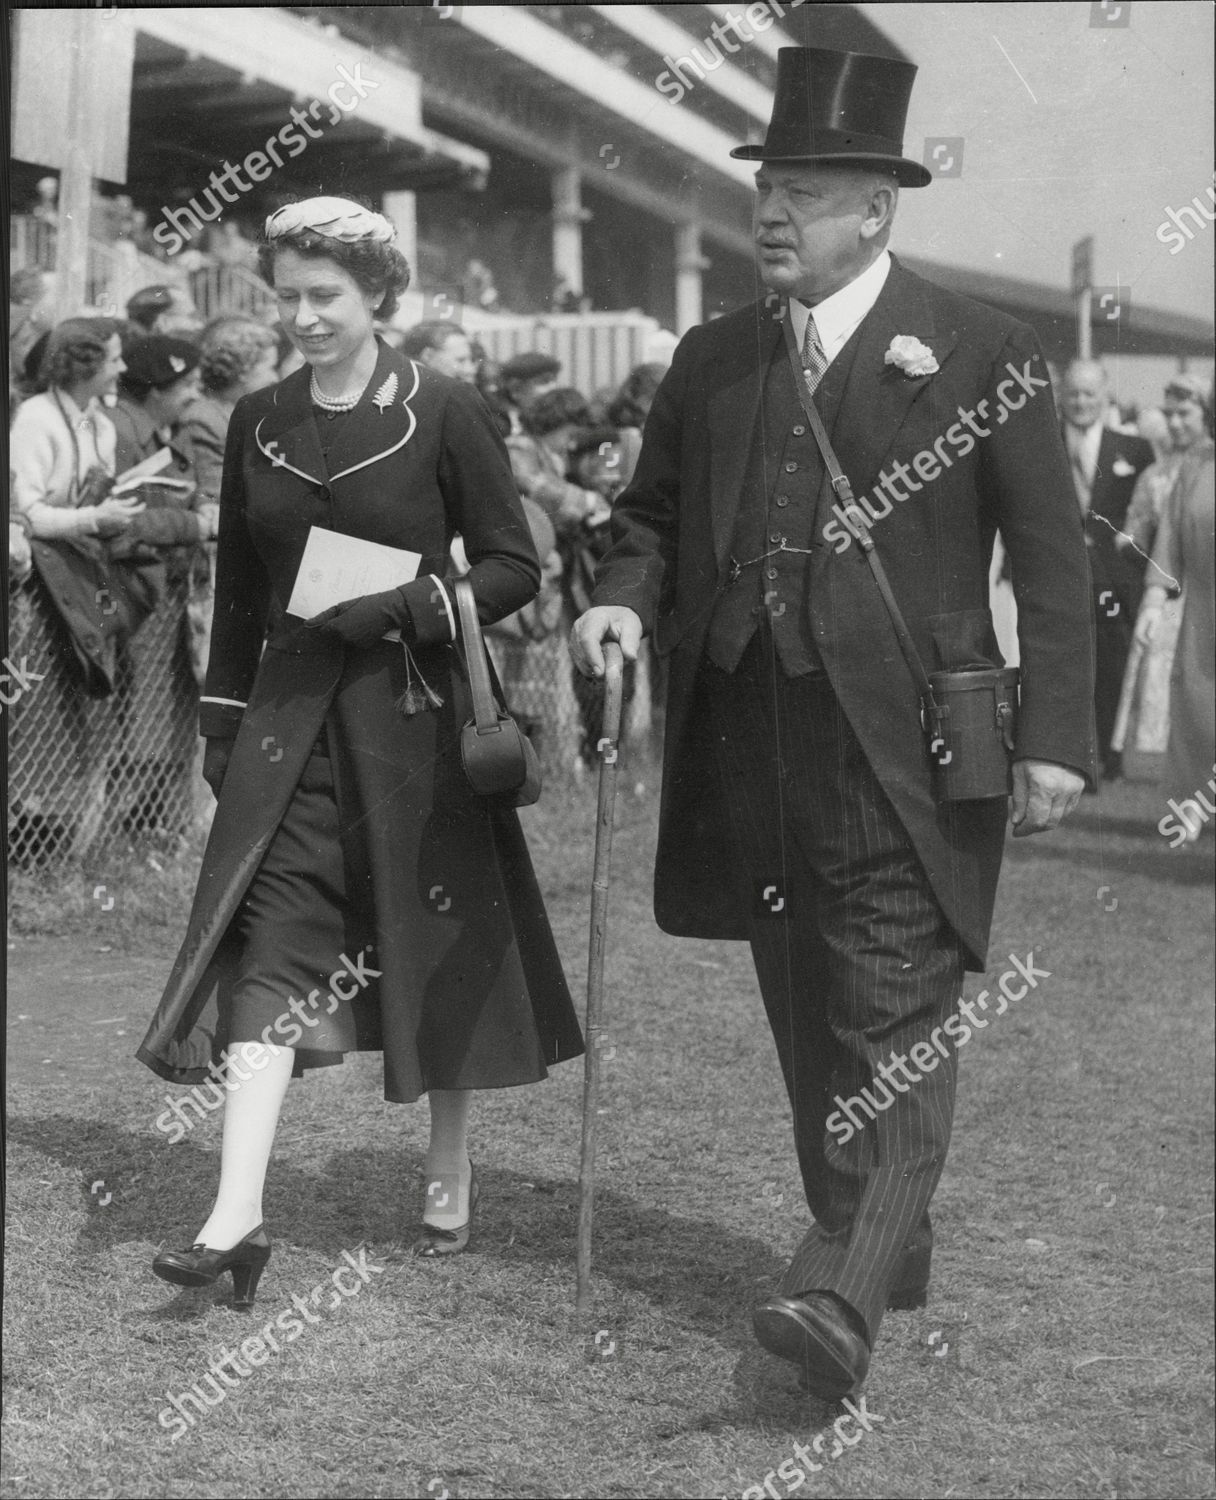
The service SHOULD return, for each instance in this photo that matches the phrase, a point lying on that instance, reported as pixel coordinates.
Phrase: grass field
(1066, 1349)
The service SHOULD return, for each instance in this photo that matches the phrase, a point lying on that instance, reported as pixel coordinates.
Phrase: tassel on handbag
(418, 696)
(498, 758)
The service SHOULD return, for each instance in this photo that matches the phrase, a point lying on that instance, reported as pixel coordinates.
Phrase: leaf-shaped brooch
(386, 395)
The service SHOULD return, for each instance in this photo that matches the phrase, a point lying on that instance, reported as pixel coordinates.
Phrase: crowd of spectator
(117, 437)
(118, 430)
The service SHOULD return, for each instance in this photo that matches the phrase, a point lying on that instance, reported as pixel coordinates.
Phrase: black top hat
(840, 106)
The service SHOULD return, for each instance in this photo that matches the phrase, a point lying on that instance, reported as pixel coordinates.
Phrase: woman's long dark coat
(471, 993)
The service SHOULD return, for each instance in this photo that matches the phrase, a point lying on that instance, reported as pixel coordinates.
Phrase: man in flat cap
(799, 808)
(523, 380)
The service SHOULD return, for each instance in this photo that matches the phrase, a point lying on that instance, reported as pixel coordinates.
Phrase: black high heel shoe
(434, 1241)
(199, 1266)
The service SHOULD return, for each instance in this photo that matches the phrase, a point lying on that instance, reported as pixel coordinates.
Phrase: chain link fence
(87, 772)
(84, 772)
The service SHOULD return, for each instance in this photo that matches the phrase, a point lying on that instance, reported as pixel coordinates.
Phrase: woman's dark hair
(230, 348)
(75, 350)
(558, 408)
(639, 386)
(376, 267)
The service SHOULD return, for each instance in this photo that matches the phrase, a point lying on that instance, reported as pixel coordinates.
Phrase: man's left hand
(1044, 793)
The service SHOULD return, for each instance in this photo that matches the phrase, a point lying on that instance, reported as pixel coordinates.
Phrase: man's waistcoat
(775, 526)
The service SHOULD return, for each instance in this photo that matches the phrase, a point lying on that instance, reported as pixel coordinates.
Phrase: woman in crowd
(349, 858)
(62, 443)
(61, 468)
(1144, 709)
(540, 457)
(161, 555)
(237, 355)
(629, 410)
(544, 684)
(1183, 564)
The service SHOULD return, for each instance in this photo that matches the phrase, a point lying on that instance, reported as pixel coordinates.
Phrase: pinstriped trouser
(856, 962)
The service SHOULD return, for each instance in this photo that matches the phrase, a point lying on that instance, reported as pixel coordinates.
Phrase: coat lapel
(382, 422)
(877, 397)
(287, 435)
(1099, 490)
(734, 410)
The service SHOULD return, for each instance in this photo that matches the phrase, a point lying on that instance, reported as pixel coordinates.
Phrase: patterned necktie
(814, 360)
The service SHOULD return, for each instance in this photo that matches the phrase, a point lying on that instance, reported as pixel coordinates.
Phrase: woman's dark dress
(346, 841)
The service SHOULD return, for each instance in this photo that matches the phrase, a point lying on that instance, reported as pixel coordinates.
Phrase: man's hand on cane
(606, 622)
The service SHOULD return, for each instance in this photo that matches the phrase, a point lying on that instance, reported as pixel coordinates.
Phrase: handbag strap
(74, 493)
(485, 710)
(860, 524)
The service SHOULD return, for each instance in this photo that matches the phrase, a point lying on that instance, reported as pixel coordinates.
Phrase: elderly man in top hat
(799, 808)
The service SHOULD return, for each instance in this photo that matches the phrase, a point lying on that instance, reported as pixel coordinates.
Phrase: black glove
(362, 622)
(216, 756)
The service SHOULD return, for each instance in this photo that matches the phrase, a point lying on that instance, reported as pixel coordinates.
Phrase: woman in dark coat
(354, 893)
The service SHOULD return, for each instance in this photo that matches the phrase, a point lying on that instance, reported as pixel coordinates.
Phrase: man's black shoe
(816, 1333)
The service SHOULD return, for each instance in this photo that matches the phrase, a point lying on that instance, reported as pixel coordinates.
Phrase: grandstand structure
(574, 147)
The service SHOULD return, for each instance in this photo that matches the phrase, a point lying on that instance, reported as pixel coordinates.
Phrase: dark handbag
(497, 756)
(135, 575)
(968, 714)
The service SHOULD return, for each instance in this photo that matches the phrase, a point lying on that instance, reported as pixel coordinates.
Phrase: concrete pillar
(75, 201)
(689, 265)
(569, 216)
(402, 210)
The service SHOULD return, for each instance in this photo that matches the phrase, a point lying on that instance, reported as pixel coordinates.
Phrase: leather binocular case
(971, 726)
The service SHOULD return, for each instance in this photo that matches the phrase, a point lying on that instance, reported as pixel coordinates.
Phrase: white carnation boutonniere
(386, 395)
(911, 356)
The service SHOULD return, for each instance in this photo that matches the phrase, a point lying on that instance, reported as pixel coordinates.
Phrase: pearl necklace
(334, 403)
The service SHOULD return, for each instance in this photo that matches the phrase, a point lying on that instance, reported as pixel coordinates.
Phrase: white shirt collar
(75, 413)
(837, 316)
(1086, 441)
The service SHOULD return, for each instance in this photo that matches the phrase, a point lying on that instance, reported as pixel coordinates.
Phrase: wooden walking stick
(609, 735)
